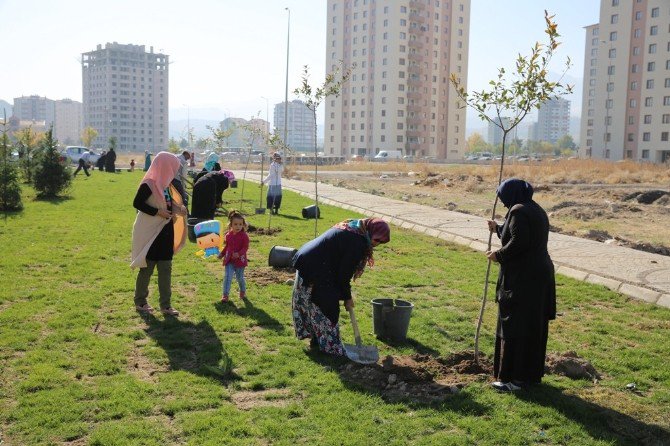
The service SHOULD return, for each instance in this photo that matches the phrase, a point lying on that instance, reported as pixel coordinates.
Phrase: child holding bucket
(234, 254)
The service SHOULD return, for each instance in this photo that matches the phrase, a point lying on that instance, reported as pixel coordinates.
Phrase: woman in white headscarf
(273, 180)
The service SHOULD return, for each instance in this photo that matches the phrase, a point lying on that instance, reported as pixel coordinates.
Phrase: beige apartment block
(125, 93)
(398, 96)
(299, 125)
(626, 104)
(68, 120)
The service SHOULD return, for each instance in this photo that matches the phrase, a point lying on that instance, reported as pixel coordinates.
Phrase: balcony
(418, 4)
(414, 95)
(414, 121)
(415, 43)
(416, 17)
(414, 69)
(416, 57)
(413, 134)
(414, 108)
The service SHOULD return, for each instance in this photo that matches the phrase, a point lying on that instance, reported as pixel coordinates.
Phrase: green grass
(78, 364)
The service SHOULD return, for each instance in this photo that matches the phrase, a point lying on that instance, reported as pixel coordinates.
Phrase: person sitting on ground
(100, 164)
(526, 288)
(325, 267)
(159, 231)
(208, 195)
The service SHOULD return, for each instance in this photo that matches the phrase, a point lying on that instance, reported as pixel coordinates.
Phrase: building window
(636, 51)
(666, 100)
(613, 36)
(652, 48)
(645, 154)
(638, 15)
(647, 119)
(664, 136)
(615, 2)
(399, 138)
(646, 136)
(654, 13)
(651, 66)
(614, 19)
(612, 53)
(653, 30)
(650, 84)
(633, 85)
(611, 71)
(648, 102)
(634, 68)
(666, 119)
(633, 103)
(637, 33)
(630, 137)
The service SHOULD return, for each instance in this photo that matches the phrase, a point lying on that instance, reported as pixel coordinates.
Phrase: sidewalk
(637, 274)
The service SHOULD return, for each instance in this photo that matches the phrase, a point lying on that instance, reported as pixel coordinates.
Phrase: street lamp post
(288, 36)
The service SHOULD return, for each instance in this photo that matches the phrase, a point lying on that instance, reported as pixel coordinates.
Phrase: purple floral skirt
(311, 323)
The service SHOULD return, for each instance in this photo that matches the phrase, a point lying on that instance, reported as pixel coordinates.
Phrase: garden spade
(362, 354)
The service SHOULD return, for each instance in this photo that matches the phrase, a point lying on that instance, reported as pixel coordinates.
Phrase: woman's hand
(491, 255)
(349, 304)
(164, 213)
(181, 210)
(493, 226)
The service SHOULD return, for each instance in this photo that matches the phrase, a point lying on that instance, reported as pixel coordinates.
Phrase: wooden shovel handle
(354, 324)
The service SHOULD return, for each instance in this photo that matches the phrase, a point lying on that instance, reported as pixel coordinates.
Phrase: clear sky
(226, 55)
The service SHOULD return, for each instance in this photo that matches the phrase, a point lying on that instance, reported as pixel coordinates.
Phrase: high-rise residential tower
(626, 104)
(125, 92)
(553, 120)
(67, 121)
(398, 96)
(300, 126)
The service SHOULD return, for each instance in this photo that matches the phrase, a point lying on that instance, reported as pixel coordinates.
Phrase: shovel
(362, 354)
(260, 209)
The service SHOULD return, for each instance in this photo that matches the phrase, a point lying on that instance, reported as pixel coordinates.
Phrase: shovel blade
(363, 354)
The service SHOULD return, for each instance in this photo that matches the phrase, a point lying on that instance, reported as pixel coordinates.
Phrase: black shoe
(505, 387)
(314, 344)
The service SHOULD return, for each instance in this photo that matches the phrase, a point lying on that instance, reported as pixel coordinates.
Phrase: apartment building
(398, 96)
(125, 95)
(494, 134)
(68, 121)
(553, 120)
(299, 125)
(34, 108)
(626, 103)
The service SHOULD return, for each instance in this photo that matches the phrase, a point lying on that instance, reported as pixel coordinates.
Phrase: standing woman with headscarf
(273, 180)
(325, 267)
(159, 231)
(526, 288)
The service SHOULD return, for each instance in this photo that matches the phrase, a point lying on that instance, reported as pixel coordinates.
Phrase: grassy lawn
(79, 366)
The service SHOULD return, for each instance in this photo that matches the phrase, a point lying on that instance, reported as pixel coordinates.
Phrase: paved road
(638, 274)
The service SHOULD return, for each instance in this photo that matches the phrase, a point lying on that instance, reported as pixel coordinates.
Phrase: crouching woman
(325, 267)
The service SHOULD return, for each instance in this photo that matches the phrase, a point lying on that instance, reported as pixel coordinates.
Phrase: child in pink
(234, 254)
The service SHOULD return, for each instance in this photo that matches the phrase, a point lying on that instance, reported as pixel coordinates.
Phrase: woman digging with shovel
(325, 267)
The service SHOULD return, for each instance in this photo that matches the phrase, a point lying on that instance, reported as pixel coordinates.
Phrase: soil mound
(418, 378)
(263, 231)
(571, 365)
(266, 275)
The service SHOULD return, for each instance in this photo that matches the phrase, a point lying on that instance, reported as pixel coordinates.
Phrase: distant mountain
(6, 106)
(179, 128)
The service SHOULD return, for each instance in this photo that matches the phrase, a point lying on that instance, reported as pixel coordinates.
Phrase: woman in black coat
(325, 267)
(526, 288)
(110, 161)
(207, 195)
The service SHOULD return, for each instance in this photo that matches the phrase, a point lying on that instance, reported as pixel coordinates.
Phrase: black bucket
(190, 224)
(311, 212)
(233, 184)
(390, 318)
(281, 256)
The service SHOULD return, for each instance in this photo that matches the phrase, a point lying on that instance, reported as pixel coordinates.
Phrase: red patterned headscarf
(370, 228)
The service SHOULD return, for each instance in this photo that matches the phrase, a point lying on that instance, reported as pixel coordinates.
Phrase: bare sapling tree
(513, 99)
(332, 86)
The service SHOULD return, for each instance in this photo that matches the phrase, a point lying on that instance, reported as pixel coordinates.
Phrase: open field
(81, 367)
(624, 203)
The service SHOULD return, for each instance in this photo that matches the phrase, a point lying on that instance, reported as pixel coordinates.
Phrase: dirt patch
(266, 275)
(140, 366)
(418, 378)
(571, 365)
(263, 231)
(247, 400)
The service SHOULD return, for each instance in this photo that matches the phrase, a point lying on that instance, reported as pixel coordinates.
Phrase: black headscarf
(514, 191)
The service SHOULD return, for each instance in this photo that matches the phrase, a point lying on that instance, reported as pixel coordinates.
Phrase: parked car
(358, 158)
(408, 158)
(229, 156)
(73, 153)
